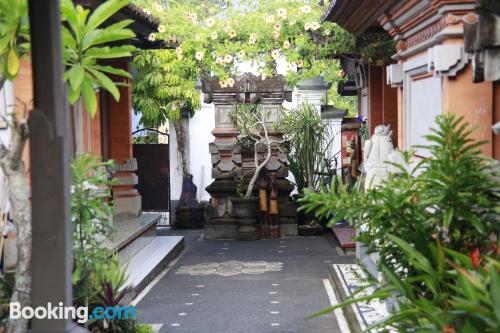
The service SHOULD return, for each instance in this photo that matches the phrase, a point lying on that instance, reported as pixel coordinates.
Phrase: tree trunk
(14, 171)
(181, 146)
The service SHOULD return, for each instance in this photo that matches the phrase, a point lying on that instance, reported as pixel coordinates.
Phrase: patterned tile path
(267, 286)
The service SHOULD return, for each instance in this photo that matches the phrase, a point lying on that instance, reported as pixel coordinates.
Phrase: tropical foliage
(91, 212)
(163, 87)
(214, 39)
(250, 120)
(421, 222)
(309, 139)
(86, 42)
(14, 36)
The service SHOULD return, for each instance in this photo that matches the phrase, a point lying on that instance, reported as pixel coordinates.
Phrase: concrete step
(127, 230)
(150, 260)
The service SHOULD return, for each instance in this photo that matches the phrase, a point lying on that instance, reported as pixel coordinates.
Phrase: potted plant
(250, 120)
(310, 161)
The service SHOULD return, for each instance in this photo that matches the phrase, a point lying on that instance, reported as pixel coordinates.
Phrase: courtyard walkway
(239, 287)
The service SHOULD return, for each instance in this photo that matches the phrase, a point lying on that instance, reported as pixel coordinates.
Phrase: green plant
(419, 221)
(91, 211)
(163, 89)
(86, 43)
(249, 118)
(463, 292)
(145, 328)
(240, 184)
(14, 37)
(111, 281)
(5, 296)
(451, 197)
(309, 141)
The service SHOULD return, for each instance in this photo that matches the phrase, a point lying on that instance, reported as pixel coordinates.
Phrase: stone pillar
(334, 118)
(312, 91)
(228, 158)
(126, 198)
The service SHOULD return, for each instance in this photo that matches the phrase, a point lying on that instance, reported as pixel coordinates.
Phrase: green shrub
(420, 221)
(91, 211)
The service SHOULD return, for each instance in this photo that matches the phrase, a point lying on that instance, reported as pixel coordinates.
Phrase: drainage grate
(164, 219)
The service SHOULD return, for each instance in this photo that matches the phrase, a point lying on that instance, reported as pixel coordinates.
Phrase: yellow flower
(241, 54)
(275, 54)
(210, 22)
(232, 33)
(270, 19)
(327, 32)
(276, 34)
(161, 28)
(315, 26)
(289, 67)
(277, 26)
(307, 26)
(178, 50)
(306, 9)
(282, 13)
(146, 12)
(231, 82)
(152, 37)
(158, 8)
(223, 83)
(253, 39)
(214, 35)
(287, 44)
(228, 59)
(179, 56)
(199, 55)
(194, 17)
(300, 63)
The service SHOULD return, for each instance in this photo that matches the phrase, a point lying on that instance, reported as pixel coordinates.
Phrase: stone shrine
(230, 159)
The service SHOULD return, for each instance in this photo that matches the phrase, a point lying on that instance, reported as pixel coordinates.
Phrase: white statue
(377, 152)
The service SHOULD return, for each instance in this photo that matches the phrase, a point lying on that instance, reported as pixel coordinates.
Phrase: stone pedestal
(126, 199)
(228, 157)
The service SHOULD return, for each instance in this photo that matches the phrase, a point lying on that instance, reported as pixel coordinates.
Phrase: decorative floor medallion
(229, 268)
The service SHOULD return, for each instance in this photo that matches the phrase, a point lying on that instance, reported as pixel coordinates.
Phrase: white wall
(200, 135)
(200, 128)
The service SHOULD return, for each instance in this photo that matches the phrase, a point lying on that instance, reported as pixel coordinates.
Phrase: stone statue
(377, 152)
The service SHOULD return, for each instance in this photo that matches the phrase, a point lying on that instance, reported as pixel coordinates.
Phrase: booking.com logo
(79, 314)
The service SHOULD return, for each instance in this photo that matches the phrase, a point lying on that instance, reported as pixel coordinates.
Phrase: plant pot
(191, 218)
(312, 229)
(246, 211)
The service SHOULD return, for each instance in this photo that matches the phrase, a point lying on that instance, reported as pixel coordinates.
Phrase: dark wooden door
(154, 176)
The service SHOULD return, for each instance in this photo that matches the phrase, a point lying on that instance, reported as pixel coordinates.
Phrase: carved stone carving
(228, 157)
(378, 151)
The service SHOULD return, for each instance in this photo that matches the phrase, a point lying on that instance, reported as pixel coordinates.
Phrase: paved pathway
(238, 287)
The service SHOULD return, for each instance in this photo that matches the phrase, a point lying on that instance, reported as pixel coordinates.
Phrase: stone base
(127, 206)
(289, 230)
(220, 231)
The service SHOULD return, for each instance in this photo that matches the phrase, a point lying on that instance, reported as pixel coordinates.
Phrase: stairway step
(346, 278)
(147, 263)
(129, 229)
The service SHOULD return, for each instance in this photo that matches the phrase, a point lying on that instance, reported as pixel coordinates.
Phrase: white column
(312, 91)
(334, 118)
